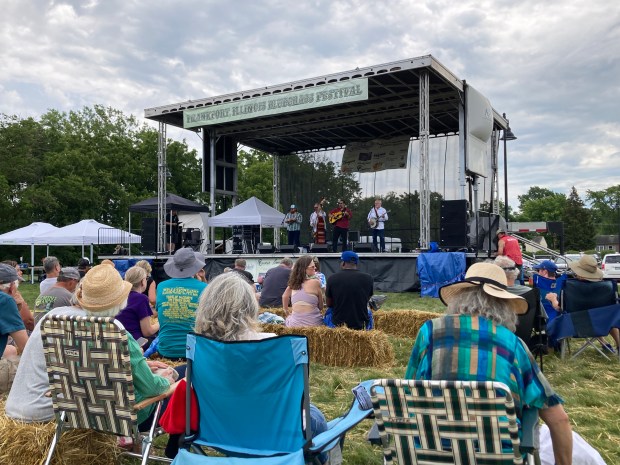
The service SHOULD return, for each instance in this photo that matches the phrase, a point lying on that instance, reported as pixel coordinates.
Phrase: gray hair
(227, 309)
(112, 311)
(474, 301)
(49, 264)
(510, 268)
(135, 275)
(6, 286)
(286, 262)
(240, 262)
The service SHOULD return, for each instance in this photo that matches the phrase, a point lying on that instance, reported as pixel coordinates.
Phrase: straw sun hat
(102, 288)
(493, 281)
(587, 268)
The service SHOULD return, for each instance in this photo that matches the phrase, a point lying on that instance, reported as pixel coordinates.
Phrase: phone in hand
(142, 341)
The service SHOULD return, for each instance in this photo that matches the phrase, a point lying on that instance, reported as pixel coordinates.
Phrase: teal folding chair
(254, 403)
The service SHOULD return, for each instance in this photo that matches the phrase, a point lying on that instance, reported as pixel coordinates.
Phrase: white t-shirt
(47, 284)
(27, 401)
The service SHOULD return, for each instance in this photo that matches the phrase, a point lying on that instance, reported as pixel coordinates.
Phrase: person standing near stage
(340, 218)
(377, 216)
(317, 223)
(509, 247)
(293, 225)
(172, 230)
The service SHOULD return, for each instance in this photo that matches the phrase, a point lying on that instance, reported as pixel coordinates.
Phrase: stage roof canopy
(391, 109)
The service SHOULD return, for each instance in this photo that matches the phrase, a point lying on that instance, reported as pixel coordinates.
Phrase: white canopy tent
(251, 212)
(28, 235)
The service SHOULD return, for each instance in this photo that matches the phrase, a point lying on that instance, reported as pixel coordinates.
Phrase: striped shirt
(295, 225)
(472, 348)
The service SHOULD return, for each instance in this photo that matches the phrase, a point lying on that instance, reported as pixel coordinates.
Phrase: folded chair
(91, 382)
(251, 395)
(590, 310)
(450, 422)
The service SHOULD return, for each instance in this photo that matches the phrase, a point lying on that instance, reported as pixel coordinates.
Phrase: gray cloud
(551, 66)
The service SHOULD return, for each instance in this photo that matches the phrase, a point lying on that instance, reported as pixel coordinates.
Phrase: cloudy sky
(553, 66)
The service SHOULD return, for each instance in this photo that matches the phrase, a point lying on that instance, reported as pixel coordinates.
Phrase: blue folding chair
(252, 396)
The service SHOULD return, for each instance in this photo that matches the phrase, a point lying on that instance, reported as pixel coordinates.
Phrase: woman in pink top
(303, 299)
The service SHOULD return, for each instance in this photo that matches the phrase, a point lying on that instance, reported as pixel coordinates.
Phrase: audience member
(512, 273)
(274, 284)
(201, 274)
(474, 341)
(228, 311)
(11, 323)
(136, 316)
(51, 268)
(318, 275)
(24, 310)
(59, 295)
(177, 300)
(151, 286)
(304, 295)
(348, 292)
(240, 265)
(83, 266)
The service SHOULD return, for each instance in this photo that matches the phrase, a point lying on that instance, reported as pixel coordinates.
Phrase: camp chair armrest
(153, 400)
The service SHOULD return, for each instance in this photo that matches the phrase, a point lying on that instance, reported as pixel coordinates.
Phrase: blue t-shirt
(10, 321)
(177, 300)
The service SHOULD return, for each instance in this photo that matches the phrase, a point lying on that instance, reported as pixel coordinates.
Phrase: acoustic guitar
(333, 217)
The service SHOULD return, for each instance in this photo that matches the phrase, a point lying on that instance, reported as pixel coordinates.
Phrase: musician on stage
(340, 217)
(317, 223)
(293, 225)
(172, 230)
(377, 216)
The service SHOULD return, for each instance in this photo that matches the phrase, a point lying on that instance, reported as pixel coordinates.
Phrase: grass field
(590, 385)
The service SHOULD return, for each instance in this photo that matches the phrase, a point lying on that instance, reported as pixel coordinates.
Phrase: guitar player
(339, 217)
(377, 216)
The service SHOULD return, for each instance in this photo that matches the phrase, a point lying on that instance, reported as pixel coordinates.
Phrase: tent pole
(129, 237)
(32, 263)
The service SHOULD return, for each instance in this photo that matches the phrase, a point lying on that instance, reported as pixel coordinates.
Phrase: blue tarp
(438, 269)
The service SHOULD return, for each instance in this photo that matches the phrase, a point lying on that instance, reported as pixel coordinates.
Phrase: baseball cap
(546, 265)
(500, 231)
(70, 273)
(349, 257)
(83, 262)
(7, 274)
(293, 206)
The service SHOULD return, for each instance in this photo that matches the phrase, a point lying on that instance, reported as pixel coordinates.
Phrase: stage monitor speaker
(265, 248)
(362, 247)
(158, 273)
(353, 236)
(287, 249)
(453, 224)
(319, 248)
(149, 235)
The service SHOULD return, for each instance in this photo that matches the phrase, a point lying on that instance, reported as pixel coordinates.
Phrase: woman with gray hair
(512, 273)
(474, 341)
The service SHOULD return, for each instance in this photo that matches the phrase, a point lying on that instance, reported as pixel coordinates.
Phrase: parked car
(563, 260)
(611, 266)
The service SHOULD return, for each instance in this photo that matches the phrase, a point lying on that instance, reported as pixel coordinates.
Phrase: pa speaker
(319, 248)
(149, 235)
(287, 249)
(453, 224)
(265, 248)
(362, 247)
(555, 227)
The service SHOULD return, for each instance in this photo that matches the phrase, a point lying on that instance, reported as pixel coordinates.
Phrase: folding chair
(590, 311)
(531, 326)
(91, 383)
(451, 422)
(251, 395)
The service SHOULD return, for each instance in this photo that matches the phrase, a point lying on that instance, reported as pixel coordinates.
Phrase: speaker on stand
(149, 235)
(454, 224)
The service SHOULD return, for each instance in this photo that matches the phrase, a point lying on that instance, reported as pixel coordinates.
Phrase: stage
(392, 272)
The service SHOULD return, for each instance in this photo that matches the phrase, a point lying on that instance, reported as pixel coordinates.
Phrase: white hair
(510, 268)
(6, 286)
(474, 301)
(112, 311)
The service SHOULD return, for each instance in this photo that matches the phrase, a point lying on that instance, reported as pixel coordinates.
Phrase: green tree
(541, 204)
(578, 226)
(605, 208)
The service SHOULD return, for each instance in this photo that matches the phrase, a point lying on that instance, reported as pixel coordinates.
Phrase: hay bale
(402, 323)
(28, 444)
(343, 347)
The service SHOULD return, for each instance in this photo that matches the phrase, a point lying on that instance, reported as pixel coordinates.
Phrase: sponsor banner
(295, 100)
(375, 155)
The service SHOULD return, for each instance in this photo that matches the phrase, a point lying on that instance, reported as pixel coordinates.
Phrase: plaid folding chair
(91, 383)
(451, 422)
(251, 395)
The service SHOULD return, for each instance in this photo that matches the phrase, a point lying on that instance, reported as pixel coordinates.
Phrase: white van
(611, 266)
